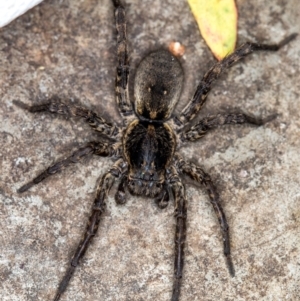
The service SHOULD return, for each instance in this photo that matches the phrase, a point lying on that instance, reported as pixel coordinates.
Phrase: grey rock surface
(67, 48)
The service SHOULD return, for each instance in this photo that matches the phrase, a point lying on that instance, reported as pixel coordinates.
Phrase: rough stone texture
(67, 48)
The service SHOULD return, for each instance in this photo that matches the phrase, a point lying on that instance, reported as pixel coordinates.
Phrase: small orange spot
(177, 49)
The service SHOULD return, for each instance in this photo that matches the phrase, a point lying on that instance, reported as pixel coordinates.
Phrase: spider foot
(270, 118)
(176, 290)
(64, 283)
(32, 109)
(288, 39)
(25, 187)
(57, 297)
(21, 104)
(260, 121)
(230, 266)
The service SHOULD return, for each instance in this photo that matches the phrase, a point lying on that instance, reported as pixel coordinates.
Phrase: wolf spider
(145, 149)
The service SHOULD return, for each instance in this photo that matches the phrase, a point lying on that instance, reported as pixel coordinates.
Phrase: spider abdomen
(157, 86)
(149, 149)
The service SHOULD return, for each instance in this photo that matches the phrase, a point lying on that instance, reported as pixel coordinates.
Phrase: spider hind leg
(180, 232)
(98, 208)
(198, 175)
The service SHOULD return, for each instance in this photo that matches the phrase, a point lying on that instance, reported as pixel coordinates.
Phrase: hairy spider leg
(180, 232)
(97, 148)
(55, 105)
(107, 180)
(204, 125)
(198, 175)
(199, 98)
(122, 96)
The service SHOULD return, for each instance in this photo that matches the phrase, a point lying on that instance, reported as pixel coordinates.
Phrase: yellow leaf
(217, 21)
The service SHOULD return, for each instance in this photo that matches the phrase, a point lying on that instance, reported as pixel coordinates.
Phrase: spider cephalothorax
(149, 148)
(145, 150)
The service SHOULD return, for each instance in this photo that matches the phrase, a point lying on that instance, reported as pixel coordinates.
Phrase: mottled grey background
(67, 48)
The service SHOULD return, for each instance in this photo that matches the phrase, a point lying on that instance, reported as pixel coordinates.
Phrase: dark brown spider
(145, 148)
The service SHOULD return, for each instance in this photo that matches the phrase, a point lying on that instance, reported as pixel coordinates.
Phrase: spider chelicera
(145, 149)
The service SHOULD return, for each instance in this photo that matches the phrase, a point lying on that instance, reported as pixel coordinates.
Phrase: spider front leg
(199, 98)
(55, 105)
(204, 125)
(97, 148)
(180, 234)
(104, 186)
(122, 98)
(197, 174)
